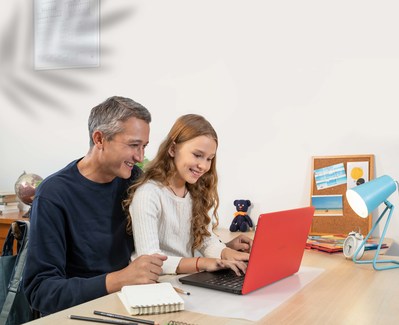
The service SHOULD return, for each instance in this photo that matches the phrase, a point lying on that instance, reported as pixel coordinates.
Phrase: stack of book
(6, 197)
(8, 202)
(335, 243)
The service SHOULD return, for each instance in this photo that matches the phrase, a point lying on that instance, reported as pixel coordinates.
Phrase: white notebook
(144, 299)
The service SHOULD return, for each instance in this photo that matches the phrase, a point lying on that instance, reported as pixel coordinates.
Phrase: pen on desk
(100, 320)
(122, 317)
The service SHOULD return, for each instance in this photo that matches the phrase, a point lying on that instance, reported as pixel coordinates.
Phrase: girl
(169, 204)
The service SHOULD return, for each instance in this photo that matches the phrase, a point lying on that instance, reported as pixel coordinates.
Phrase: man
(79, 249)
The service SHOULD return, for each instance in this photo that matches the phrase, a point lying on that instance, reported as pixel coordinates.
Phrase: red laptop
(276, 253)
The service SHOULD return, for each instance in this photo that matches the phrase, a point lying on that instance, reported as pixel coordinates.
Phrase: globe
(25, 187)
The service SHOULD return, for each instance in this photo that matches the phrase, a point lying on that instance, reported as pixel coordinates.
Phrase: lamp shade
(364, 198)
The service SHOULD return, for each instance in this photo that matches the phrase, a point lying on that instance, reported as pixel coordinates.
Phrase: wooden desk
(345, 293)
(6, 219)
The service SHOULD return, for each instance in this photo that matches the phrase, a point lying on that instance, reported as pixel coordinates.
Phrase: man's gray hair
(107, 116)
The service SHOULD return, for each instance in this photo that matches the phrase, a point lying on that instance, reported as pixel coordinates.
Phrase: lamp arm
(388, 204)
(354, 258)
(375, 261)
(389, 207)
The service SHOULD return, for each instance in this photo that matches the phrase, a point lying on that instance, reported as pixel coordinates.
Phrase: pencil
(122, 317)
(181, 291)
(100, 320)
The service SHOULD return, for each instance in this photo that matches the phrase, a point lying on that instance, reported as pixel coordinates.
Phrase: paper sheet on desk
(252, 306)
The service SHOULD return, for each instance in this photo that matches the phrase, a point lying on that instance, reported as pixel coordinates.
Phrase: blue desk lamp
(363, 199)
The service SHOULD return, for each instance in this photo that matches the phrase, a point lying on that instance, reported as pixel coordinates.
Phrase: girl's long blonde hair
(204, 192)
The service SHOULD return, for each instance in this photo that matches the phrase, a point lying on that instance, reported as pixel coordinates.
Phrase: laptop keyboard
(228, 279)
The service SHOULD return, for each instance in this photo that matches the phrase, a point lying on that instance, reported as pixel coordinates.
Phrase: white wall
(281, 81)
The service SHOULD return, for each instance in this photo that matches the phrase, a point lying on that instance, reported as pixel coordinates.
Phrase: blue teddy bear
(242, 221)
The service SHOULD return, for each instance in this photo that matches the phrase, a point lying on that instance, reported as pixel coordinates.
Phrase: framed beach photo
(328, 205)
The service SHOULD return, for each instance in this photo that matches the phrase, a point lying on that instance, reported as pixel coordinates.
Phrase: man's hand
(144, 269)
(240, 243)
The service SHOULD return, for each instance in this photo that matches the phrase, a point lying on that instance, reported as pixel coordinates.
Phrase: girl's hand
(233, 255)
(240, 243)
(214, 264)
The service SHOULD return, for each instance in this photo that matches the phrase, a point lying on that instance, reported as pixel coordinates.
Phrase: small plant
(143, 163)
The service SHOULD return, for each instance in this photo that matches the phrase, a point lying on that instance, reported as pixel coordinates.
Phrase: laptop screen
(278, 246)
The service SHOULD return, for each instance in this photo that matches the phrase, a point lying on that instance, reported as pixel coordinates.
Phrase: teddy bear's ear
(249, 202)
(235, 202)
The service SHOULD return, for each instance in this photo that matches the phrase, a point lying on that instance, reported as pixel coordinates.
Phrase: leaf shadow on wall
(23, 86)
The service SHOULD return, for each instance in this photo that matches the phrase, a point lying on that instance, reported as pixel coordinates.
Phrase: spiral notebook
(144, 299)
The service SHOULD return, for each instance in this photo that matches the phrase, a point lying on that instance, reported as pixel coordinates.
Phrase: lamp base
(375, 261)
